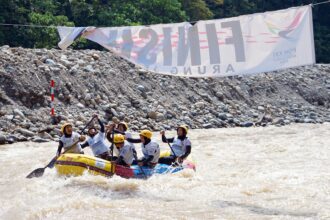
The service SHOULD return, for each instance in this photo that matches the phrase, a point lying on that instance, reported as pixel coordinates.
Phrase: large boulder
(152, 115)
(2, 139)
(25, 132)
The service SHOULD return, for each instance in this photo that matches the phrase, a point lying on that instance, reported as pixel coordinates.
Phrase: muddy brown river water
(242, 173)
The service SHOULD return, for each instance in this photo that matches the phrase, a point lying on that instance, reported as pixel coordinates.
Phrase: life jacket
(126, 152)
(151, 149)
(69, 140)
(180, 146)
(98, 144)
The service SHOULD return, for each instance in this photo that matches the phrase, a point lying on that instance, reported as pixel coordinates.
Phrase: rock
(247, 124)
(45, 135)
(55, 131)
(25, 125)
(115, 120)
(206, 126)
(88, 97)
(9, 117)
(286, 121)
(220, 96)
(114, 112)
(2, 113)
(12, 137)
(18, 112)
(21, 138)
(199, 104)
(39, 140)
(33, 129)
(142, 71)
(80, 105)
(309, 120)
(112, 105)
(278, 121)
(2, 139)
(95, 56)
(260, 108)
(25, 132)
(144, 127)
(267, 118)
(135, 102)
(79, 123)
(50, 62)
(160, 117)
(10, 140)
(89, 68)
(152, 115)
(141, 88)
(313, 115)
(223, 116)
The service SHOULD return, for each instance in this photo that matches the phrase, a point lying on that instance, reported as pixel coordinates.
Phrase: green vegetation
(135, 12)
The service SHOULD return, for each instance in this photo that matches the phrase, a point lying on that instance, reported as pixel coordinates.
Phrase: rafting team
(122, 139)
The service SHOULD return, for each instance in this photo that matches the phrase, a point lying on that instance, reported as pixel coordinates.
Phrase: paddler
(181, 146)
(126, 150)
(120, 128)
(68, 138)
(96, 141)
(150, 149)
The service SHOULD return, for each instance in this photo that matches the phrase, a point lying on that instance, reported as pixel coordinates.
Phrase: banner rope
(320, 3)
(52, 26)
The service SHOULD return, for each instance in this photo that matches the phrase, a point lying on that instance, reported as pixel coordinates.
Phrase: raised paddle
(40, 171)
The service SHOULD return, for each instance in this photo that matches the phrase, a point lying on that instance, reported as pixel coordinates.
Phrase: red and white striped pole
(52, 85)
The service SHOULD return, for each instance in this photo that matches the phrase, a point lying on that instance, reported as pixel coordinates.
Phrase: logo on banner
(281, 31)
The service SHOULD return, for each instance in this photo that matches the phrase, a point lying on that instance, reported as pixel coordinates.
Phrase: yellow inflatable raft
(76, 164)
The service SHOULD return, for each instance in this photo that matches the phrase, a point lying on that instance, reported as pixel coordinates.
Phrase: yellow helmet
(64, 125)
(124, 124)
(118, 139)
(146, 133)
(184, 127)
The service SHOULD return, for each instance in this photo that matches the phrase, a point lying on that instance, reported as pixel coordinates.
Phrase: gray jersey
(126, 152)
(98, 144)
(151, 149)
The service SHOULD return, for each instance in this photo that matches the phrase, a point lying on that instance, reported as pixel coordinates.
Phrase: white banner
(235, 46)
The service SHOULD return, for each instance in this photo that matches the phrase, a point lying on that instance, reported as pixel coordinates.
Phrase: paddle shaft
(170, 146)
(135, 157)
(52, 162)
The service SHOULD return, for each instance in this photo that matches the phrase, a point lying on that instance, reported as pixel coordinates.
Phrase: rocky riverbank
(100, 82)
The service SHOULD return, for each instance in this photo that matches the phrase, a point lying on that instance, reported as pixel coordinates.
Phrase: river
(242, 173)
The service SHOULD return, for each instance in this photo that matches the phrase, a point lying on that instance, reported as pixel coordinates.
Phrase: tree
(196, 10)
(114, 13)
(46, 37)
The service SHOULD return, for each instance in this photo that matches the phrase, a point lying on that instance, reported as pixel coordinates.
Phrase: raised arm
(164, 139)
(101, 125)
(134, 140)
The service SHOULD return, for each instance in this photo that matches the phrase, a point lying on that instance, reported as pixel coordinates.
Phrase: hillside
(89, 81)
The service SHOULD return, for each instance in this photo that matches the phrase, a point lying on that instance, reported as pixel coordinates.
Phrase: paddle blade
(36, 173)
